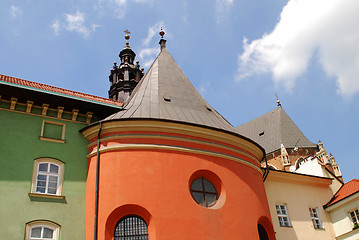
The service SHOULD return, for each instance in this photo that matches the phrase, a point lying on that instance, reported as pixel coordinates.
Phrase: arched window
(262, 232)
(131, 227)
(42, 230)
(48, 175)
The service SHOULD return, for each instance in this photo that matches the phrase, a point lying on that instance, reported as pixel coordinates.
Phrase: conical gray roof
(165, 93)
(274, 128)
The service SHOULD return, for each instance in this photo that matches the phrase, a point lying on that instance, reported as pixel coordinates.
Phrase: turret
(124, 78)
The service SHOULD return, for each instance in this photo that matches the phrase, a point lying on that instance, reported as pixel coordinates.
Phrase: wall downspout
(266, 170)
(97, 181)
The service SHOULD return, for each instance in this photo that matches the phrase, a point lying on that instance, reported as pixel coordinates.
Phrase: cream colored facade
(342, 223)
(298, 193)
(311, 166)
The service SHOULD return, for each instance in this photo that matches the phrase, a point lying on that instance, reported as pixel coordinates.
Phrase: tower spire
(124, 78)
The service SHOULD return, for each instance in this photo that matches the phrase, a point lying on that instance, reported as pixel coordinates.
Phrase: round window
(203, 192)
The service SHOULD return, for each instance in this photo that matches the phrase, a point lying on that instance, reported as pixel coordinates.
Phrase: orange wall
(155, 185)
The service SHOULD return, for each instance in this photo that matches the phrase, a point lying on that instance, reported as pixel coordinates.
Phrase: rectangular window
(317, 223)
(283, 216)
(354, 215)
(52, 131)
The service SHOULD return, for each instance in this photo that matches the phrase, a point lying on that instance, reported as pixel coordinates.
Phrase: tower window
(131, 227)
(203, 192)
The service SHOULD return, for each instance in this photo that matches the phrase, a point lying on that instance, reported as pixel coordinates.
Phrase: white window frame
(43, 224)
(354, 219)
(59, 175)
(314, 215)
(283, 216)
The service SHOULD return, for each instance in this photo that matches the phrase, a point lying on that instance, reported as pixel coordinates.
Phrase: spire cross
(127, 37)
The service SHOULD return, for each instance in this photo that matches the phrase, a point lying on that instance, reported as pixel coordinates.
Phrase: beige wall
(342, 223)
(299, 193)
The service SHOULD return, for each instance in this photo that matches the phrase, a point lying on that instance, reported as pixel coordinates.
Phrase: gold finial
(127, 37)
(278, 102)
(162, 33)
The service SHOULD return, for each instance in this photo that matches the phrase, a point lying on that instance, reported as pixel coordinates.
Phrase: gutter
(97, 182)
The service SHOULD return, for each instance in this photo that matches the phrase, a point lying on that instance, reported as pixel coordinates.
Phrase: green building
(43, 162)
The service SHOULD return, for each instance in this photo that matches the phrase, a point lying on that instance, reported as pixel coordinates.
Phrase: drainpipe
(266, 171)
(97, 181)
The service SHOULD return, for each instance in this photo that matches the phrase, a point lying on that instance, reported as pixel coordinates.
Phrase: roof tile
(345, 191)
(45, 87)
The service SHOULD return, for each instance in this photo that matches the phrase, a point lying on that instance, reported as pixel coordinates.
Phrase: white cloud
(222, 7)
(118, 7)
(56, 27)
(148, 55)
(327, 28)
(76, 23)
(15, 12)
(152, 31)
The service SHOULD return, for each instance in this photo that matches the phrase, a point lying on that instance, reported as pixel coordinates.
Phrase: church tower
(124, 78)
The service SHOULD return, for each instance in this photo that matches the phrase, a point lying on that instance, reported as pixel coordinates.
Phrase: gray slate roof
(165, 93)
(274, 128)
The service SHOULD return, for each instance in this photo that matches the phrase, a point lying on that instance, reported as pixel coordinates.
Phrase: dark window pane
(40, 189)
(41, 177)
(52, 185)
(51, 190)
(43, 167)
(197, 185)
(36, 232)
(52, 179)
(198, 197)
(48, 233)
(210, 199)
(208, 187)
(54, 168)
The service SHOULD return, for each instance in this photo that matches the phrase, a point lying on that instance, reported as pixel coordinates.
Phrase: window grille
(131, 228)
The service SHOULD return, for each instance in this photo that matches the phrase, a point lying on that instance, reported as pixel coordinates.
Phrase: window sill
(286, 226)
(52, 140)
(39, 195)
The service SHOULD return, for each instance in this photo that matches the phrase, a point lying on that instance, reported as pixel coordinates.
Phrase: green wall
(19, 147)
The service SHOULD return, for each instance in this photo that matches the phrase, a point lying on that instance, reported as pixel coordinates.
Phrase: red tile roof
(49, 88)
(345, 191)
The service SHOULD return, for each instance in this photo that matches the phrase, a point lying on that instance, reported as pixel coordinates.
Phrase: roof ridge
(46, 87)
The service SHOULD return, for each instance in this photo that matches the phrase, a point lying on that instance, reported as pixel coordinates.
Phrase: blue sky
(238, 54)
